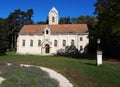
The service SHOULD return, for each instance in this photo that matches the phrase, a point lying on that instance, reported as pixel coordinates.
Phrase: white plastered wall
(35, 49)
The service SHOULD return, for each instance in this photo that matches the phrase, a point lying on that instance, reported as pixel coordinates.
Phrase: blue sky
(72, 8)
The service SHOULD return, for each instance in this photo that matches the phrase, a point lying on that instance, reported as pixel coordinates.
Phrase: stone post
(99, 58)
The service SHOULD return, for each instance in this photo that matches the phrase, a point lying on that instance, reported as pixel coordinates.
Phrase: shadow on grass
(91, 57)
(2, 54)
(80, 56)
(91, 64)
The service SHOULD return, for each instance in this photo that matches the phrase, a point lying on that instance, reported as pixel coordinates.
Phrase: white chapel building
(49, 39)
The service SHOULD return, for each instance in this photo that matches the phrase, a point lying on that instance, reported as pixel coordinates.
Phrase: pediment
(46, 41)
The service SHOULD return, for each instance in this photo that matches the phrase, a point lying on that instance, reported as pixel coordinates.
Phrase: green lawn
(81, 72)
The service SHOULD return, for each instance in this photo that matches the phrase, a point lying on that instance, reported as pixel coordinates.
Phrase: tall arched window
(72, 42)
(23, 43)
(64, 42)
(31, 42)
(81, 48)
(39, 42)
(47, 31)
(55, 42)
(53, 19)
(81, 39)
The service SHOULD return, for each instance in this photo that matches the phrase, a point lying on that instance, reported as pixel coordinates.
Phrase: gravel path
(63, 82)
(1, 79)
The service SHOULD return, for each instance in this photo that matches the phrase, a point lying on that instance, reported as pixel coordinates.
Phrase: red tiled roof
(60, 28)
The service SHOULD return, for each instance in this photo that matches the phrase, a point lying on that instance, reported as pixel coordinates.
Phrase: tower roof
(53, 9)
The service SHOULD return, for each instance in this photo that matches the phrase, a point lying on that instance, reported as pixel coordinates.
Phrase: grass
(81, 72)
(17, 76)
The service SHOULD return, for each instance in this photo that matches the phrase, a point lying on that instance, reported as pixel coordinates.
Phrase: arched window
(81, 39)
(53, 19)
(47, 31)
(39, 42)
(64, 42)
(23, 43)
(72, 42)
(31, 42)
(81, 48)
(55, 42)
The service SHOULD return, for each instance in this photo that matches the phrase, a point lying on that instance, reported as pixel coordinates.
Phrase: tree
(41, 22)
(16, 21)
(3, 36)
(74, 20)
(108, 28)
(65, 20)
(82, 20)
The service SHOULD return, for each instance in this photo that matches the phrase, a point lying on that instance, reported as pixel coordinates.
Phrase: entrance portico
(46, 45)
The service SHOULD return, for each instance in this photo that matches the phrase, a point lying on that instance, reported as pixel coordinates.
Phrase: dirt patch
(112, 61)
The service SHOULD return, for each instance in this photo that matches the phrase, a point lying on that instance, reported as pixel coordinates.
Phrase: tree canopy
(16, 21)
(4, 34)
(65, 20)
(108, 28)
(10, 27)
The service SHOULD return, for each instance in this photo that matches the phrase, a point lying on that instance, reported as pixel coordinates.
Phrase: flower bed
(17, 76)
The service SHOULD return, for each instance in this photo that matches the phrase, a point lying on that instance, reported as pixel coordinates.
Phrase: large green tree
(91, 21)
(16, 21)
(4, 34)
(108, 28)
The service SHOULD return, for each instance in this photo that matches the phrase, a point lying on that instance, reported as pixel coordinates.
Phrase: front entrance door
(47, 48)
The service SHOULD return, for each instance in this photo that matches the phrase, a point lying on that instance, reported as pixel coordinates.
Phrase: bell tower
(53, 16)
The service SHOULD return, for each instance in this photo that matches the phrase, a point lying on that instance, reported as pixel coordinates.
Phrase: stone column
(99, 58)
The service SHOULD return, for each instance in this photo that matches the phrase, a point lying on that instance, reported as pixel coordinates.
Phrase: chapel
(52, 38)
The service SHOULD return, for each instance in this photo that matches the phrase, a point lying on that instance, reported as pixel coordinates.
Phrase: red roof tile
(61, 28)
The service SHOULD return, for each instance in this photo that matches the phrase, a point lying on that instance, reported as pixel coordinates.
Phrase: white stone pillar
(99, 58)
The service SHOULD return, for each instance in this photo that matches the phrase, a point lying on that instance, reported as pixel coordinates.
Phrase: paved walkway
(1, 79)
(63, 82)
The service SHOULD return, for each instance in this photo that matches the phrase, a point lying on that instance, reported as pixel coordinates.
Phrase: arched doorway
(47, 48)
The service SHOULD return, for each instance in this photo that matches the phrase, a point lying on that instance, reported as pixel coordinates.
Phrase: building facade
(49, 39)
